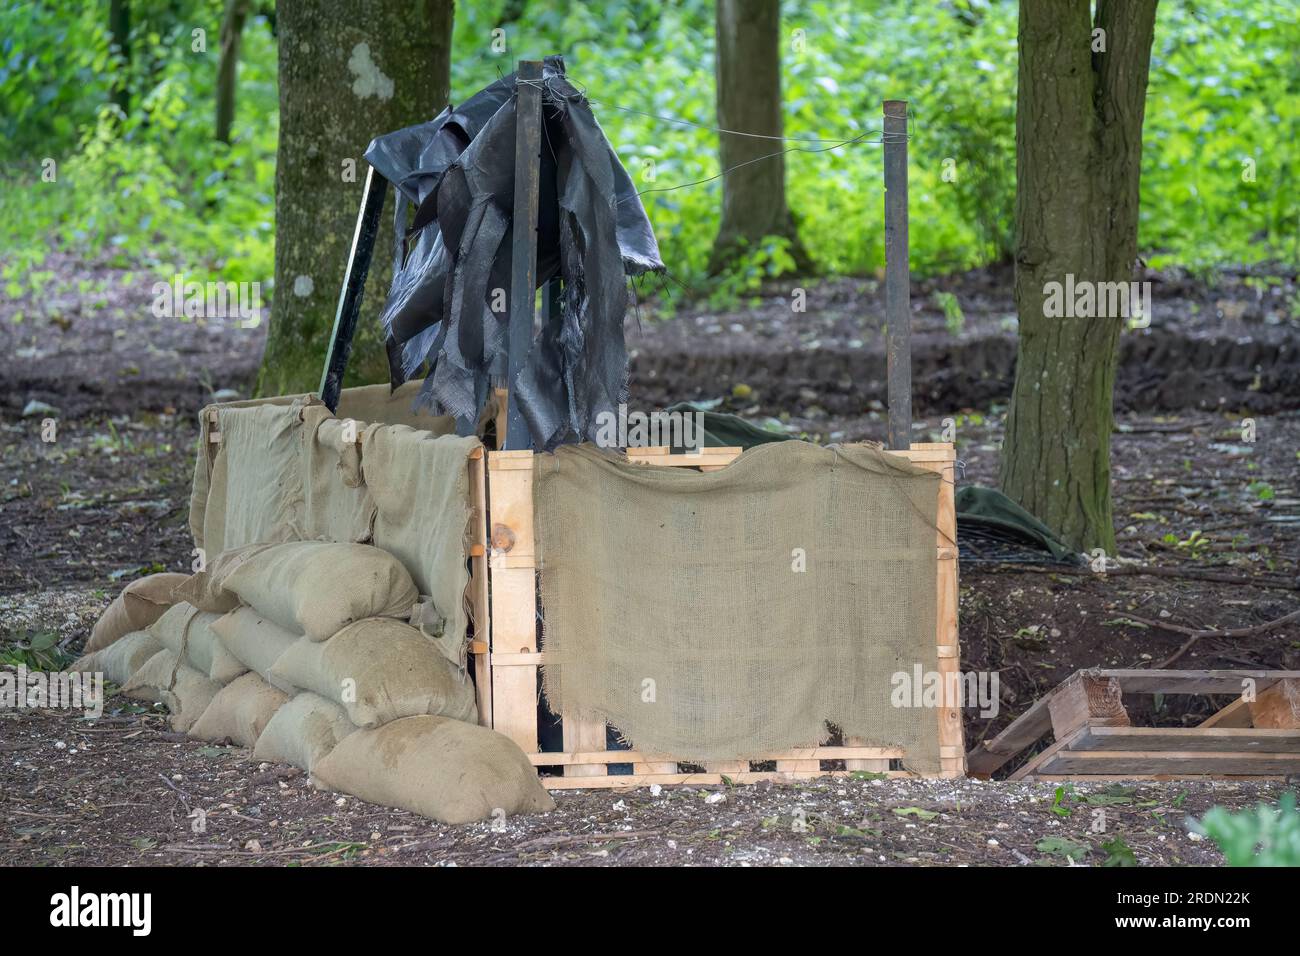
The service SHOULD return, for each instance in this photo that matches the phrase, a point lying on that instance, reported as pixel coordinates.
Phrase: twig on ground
(1195, 634)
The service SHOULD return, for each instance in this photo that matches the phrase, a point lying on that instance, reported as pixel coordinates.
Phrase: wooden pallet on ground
(506, 656)
(1256, 736)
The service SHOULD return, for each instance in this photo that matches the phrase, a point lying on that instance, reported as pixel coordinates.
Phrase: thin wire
(545, 84)
(758, 159)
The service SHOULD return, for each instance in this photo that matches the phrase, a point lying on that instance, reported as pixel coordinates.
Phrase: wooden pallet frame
(1257, 738)
(505, 656)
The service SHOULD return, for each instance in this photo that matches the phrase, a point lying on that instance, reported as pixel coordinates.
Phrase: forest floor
(1208, 523)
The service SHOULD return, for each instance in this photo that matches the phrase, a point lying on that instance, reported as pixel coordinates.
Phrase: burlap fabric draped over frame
(675, 608)
(285, 470)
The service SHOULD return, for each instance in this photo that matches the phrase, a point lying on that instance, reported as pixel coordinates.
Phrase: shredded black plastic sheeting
(448, 312)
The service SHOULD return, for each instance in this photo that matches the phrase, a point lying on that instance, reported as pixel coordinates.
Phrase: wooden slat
(941, 460)
(1236, 714)
(696, 779)
(478, 588)
(1188, 740)
(585, 735)
(1194, 682)
(513, 598)
(634, 756)
(1278, 706)
(511, 529)
(1086, 700)
(1194, 764)
(711, 458)
(730, 768)
(869, 764)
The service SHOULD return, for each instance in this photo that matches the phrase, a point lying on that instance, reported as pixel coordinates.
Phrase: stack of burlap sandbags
(301, 652)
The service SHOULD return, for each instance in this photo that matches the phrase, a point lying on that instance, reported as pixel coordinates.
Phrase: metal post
(898, 299)
(354, 282)
(523, 250)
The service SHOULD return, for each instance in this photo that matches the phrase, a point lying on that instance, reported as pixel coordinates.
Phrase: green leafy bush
(1265, 836)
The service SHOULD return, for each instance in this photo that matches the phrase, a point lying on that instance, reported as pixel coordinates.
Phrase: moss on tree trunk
(347, 74)
(1078, 159)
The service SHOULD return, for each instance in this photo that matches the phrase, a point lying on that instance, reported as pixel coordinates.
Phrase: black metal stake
(523, 250)
(354, 283)
(898, 299)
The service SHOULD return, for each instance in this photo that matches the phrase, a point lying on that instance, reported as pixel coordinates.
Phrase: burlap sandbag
(255, 641)
(303, 731)
(240, 711)
(139, 605)
(203, 588)
(185, 691)
(445, 769)
(319, 587)
(379, 670)
(188, 631)
(721, 615)
(121, 659)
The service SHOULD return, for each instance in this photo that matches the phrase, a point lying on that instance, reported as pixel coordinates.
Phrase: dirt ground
(1209, 533)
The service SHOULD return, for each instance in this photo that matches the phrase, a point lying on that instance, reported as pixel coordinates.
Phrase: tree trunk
(749, 101)
(232, 31)
(1078, 161)
(119, 29)
(347, 74)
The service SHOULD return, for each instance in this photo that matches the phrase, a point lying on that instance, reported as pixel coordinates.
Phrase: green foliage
(37, 650)
(1265, 836)
(154, 190)
(151, 188)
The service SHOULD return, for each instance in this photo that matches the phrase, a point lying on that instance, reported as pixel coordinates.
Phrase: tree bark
(119, 29)
(1078, 162)
(232, 31)
(749, 101)
(347, 73)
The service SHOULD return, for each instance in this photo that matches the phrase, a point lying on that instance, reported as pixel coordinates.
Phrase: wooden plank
(1087, 700)
(478, 588)
(1084, 762)
(1027, 772)
(512, 509)
(711, 458)
(1194, 682)
(513, 604)
(696, 779)
(1164, 777)
(1236, 714)
(633, 756)
(946, 611)
(870, 764)
(1026, 729)
(585, 735)
(729, 768)
(1278, 706)
(1188, 740)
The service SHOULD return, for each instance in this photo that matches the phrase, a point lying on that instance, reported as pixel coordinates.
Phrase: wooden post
(898, 308)
(354, 283)
(523, 249)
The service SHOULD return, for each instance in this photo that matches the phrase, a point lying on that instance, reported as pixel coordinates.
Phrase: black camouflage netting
(457, 172)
